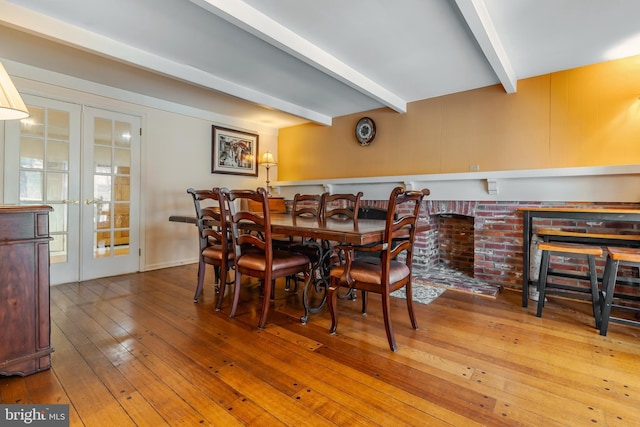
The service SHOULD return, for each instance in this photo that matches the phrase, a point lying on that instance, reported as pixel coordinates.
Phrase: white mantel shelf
(582, 184)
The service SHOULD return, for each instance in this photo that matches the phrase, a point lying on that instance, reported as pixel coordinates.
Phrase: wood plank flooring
(136, 350)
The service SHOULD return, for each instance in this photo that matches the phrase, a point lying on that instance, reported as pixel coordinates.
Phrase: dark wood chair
(341, 206)
(254, 252)
(305, 206)
(386, 272)
(215, 244)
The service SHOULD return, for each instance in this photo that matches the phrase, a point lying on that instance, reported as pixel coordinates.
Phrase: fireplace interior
(455, 242)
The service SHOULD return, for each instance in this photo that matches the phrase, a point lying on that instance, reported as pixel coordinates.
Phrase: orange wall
(586, 116)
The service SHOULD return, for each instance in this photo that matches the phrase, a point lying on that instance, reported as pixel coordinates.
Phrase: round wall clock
(365, 131)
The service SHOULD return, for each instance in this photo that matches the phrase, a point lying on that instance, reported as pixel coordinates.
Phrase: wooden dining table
(360, 232)
(529, 214)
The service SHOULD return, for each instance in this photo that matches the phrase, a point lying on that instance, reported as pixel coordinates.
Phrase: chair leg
(236, 294)
(218, 281)
(222, 282)
(387, 321)
(409, 293)
(201, 271)
(542, 281)
(364, 302)
(288, 280)
(608, 285)
(266, 301)
(595, 297)
(332, 298)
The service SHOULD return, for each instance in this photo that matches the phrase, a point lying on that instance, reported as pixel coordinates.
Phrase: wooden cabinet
(25, 326)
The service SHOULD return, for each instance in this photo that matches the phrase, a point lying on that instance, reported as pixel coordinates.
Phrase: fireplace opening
(456, 242)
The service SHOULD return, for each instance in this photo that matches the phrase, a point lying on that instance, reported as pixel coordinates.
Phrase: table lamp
(11, 104)
(268, 162)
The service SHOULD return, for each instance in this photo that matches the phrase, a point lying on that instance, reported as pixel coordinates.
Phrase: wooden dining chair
(255, 255)
(341, 206)
(215, 243)
(385, 272)
(305, 206)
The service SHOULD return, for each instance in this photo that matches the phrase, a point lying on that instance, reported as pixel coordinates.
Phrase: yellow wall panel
(595, 117)
(582, 117)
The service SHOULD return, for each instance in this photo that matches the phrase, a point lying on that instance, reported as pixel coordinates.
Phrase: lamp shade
(11, 104)
(267, 160)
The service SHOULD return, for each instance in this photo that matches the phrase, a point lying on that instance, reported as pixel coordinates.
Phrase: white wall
(176, 154)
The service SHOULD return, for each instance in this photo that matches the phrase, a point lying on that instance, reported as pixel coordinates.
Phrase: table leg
(526, 255)
(314, 295)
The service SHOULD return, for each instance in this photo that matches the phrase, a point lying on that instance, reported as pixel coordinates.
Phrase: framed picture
(234, 152)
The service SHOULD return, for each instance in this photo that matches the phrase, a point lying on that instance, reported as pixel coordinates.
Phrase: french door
(110, 194)
(83, 162)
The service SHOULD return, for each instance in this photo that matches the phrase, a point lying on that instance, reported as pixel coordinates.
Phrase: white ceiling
(285, 62)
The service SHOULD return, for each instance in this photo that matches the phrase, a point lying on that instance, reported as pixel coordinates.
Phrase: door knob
(70, 202)
(91, 202)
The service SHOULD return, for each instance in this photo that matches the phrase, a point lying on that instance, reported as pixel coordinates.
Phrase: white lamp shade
(11, 104)
(267, 160)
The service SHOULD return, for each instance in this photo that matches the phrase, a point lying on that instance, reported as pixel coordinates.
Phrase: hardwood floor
(135, 350)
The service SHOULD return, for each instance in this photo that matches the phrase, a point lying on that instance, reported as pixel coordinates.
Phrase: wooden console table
(25, 326)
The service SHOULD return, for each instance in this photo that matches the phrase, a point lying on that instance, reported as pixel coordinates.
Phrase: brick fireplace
(484, 238)
(451, 236)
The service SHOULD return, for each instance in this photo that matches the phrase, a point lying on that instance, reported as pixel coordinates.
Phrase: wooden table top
(363, 232)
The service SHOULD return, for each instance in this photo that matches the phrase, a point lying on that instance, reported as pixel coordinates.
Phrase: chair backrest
(255, 232)
(307, 205)
(401, 222)
(341, 206)
(209, 210)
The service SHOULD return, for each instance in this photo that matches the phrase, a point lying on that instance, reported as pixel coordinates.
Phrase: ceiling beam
(477, 16)
(23, 19)
(260, 25)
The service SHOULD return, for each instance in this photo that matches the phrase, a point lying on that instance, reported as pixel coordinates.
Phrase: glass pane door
(111, 187)
(44, 171)
(111, 154)
(43, 153)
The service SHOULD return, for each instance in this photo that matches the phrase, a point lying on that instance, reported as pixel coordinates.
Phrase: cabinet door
(24, 290)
